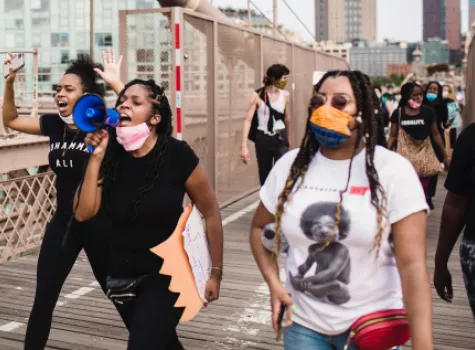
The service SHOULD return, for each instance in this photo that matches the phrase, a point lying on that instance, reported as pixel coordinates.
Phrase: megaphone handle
(90, 148)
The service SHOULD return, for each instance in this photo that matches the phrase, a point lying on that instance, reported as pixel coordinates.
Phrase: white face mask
(67, 120)
(445, 94)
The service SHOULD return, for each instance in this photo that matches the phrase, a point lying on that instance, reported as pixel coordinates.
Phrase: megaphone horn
(90, 114)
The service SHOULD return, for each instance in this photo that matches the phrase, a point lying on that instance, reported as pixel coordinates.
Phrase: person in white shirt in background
(357, 211)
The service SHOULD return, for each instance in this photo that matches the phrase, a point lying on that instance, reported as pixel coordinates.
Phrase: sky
(399, 20)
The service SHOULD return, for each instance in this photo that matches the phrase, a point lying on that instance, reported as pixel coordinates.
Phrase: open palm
(111, 72)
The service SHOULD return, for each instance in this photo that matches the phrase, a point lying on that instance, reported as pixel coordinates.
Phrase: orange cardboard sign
(177, 265)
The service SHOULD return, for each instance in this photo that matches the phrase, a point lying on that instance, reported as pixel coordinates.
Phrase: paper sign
(197, 248)
(317, 75)
(177, 265)
(452, 109)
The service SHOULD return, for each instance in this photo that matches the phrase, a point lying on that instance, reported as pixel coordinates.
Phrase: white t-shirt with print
(335, 285)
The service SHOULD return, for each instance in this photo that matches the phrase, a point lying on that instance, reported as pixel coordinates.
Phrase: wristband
(219, 269)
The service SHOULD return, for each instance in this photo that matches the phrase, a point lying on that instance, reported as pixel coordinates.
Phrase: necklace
(64, 140)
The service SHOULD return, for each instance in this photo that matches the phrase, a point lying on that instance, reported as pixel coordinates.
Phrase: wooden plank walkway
(85, 319)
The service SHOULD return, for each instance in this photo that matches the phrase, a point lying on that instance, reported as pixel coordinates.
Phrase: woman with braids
(419, 122)
(267, 121)
(139, 174)
(336, 200)
(67, 158)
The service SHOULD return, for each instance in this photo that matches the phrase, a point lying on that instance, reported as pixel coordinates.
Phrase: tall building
(374, 59)
(442, 20)
(344, 20)
(471, 13)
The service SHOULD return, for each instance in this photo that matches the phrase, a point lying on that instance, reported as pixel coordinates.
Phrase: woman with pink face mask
(139, 175)
(413, 126)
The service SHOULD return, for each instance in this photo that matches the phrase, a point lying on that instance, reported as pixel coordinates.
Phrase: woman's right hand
(99, 140)
(11, 77)
(443, 283)
(279, 296)
(447, 162)
(245, 155)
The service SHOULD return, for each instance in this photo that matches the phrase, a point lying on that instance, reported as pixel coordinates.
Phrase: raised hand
(111, 72)
(11, 78)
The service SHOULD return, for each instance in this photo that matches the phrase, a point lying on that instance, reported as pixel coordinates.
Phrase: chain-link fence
(146, 45)
(220, 65)
(27, 204)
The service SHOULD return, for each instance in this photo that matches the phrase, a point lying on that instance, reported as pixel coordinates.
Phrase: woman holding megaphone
(67, 157)
(139, 174)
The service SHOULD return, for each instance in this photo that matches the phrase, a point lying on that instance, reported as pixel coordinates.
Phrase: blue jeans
(297, 337)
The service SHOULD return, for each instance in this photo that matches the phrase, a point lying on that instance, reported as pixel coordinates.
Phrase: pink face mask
(132, 137)
(414, 104)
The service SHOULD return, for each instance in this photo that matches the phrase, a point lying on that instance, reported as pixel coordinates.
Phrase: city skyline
(399, 21)
(345, 20)
(442, 20)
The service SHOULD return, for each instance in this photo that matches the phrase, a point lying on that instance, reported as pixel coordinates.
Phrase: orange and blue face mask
(330, 126)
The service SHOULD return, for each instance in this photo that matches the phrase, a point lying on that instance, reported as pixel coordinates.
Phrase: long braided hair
(369, 108)
(110, 165)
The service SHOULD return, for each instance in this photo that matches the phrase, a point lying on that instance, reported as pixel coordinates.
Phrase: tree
(380, 81)
(396, 79)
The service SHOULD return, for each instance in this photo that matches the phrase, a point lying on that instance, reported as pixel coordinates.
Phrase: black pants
(151, 317)
(433, 185)
(268, 150)
(54, 265)
(453, 137)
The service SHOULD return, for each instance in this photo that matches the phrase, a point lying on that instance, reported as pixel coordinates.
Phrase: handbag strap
(398, 126)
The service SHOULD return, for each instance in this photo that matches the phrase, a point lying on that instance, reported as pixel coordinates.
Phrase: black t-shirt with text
(461, 176)
(417, 126)
(68, 157)
(137, 229)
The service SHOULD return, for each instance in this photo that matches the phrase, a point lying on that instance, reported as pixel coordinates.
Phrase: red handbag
(380, 330)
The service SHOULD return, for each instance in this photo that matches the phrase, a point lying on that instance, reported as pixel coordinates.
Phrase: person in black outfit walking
(457, 217)
(267, 122)
(68, 157)
(139, 174)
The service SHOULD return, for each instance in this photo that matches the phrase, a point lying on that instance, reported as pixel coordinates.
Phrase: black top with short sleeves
(68, 157)
(136, 229)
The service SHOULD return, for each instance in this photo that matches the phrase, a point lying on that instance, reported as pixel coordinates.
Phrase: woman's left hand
(212, 288)
(111, 73)
(447, 162)
(449, 123)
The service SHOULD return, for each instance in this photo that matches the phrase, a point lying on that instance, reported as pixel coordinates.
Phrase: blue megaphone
(90, 114)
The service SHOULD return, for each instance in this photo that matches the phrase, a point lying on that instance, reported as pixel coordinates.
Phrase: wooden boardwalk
(85, 319)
